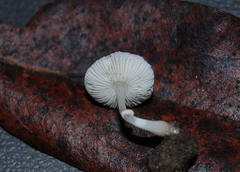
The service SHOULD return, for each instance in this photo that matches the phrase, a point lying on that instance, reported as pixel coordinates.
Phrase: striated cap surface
(124, 68)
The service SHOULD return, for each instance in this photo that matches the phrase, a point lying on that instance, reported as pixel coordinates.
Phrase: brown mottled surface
(194, 51)
(53, 113)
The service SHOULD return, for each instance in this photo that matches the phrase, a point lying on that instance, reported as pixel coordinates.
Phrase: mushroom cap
(131, 70)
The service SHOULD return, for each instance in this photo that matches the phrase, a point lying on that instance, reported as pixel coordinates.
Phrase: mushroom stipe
(122, 79)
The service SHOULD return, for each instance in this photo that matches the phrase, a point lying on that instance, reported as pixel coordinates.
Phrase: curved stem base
(160, 128)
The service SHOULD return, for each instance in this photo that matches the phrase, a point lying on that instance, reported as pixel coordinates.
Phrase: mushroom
(122, 79)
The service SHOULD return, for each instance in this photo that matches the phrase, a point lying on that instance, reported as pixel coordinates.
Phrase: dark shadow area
(144, 141)
(18, 13)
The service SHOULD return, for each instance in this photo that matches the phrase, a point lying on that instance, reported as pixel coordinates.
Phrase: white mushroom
(122, 79)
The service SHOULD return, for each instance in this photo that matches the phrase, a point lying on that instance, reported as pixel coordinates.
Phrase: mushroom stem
(160, 128)
(121, 96)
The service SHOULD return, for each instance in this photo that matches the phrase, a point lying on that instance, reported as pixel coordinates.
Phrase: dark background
(18, 12)
(15, 156)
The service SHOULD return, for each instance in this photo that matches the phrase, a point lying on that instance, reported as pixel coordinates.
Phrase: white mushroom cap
(122, 69)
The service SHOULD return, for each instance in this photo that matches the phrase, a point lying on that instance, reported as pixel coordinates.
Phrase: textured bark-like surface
(194, 51)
